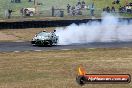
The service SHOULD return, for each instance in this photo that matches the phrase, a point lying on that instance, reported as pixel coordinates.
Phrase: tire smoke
(109, 30)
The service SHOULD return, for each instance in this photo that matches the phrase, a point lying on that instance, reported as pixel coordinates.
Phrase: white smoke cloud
(109, 30)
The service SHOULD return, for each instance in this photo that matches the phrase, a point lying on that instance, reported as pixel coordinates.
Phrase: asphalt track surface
(26, 46)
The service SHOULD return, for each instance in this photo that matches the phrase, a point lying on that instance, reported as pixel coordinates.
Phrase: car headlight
(35, 38)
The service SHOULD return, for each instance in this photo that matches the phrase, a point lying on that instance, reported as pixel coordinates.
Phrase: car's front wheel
(50, 43)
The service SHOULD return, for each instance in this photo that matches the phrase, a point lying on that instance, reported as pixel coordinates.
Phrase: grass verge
(58, 69)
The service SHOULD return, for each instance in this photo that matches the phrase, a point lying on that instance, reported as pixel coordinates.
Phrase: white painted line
(37, 50)
(20, 41)
(65, 49)
(16, 51)
(91, 48)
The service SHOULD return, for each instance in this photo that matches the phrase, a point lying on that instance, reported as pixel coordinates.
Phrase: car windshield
(44, 34)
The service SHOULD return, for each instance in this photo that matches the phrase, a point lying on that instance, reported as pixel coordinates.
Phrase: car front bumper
(40, 42)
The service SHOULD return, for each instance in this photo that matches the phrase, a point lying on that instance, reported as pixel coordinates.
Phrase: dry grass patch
(58, 69)
(7, 37)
